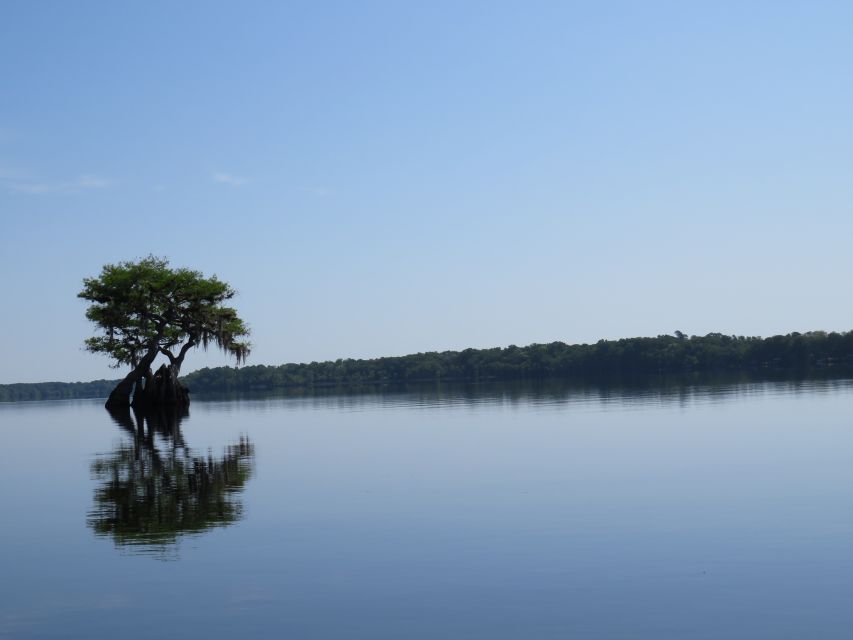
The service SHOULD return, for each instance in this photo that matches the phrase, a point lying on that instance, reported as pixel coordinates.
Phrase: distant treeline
(56, 390)
(606, 359)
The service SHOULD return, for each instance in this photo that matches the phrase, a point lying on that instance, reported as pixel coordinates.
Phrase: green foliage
(55, 390)
(606, 359)
(146, 307)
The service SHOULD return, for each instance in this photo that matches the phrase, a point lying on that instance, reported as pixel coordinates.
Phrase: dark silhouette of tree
(143, 309)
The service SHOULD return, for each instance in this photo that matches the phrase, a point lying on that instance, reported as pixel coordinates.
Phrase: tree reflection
(152, 489)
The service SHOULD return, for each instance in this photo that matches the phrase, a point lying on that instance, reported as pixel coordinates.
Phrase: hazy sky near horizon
(382, 178)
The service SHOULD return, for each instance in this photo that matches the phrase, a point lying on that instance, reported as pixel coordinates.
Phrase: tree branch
(168, 354)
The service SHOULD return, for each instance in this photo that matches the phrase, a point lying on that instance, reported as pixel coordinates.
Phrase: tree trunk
(142, 385)
(165, 390)
(153, 390)
(120, 396)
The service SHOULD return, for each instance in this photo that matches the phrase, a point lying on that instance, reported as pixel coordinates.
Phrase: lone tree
(145, 308)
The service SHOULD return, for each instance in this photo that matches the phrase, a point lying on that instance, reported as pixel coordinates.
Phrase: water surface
(481, 512)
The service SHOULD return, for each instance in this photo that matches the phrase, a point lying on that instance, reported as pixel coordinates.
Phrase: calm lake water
(494, 512)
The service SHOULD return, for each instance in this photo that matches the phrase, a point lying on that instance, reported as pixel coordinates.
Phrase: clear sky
(382, 178)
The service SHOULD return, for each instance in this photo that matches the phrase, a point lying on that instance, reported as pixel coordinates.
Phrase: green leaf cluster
(146, 306)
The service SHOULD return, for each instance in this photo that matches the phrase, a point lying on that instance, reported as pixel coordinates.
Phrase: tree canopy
(145, 308)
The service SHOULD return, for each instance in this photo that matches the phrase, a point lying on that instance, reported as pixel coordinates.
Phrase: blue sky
(386, 178)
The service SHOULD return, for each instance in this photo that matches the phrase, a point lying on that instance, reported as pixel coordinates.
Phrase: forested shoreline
(605, 359)
(55, 390)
